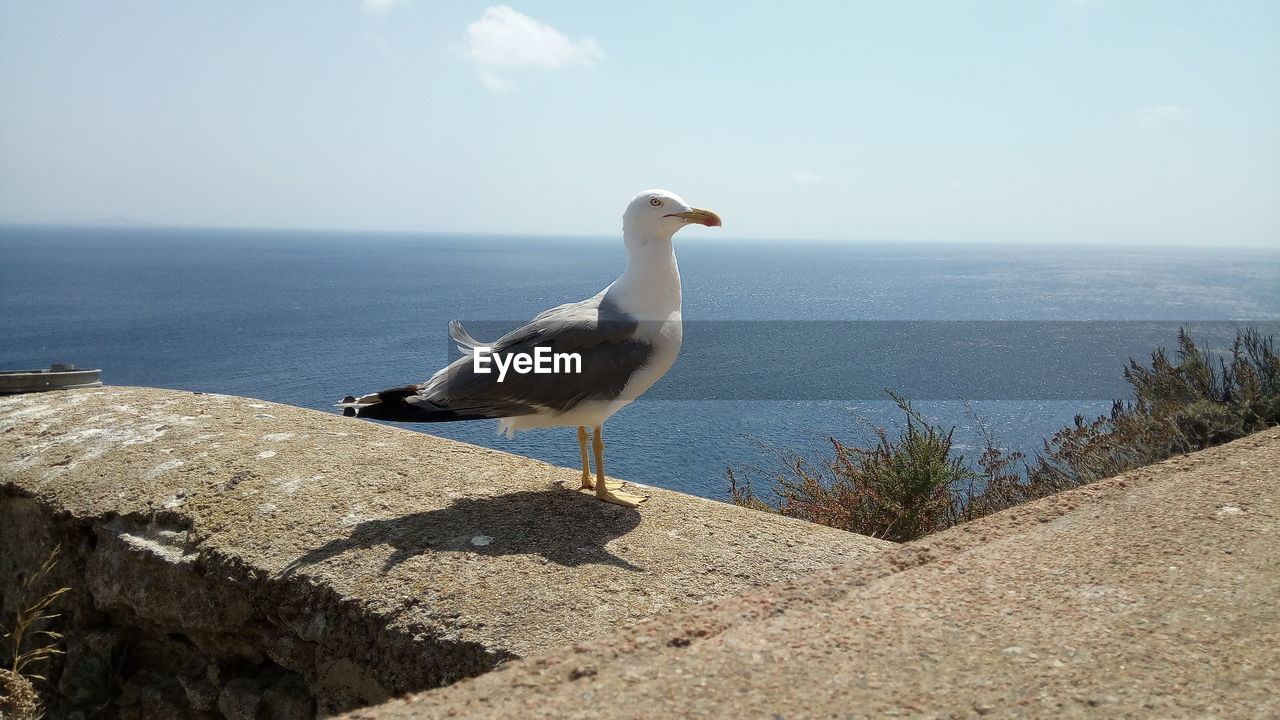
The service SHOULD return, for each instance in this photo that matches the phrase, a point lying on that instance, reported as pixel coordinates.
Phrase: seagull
(625, 337)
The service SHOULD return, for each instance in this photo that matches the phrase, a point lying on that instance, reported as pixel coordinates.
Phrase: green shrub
(1176, 408)
(899, 489)
(906, 487)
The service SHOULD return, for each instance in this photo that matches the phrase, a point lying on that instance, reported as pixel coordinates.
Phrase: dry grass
(18, 700)
(30, 642)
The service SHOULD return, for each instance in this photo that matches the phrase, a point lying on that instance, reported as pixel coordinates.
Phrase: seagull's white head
(658, 214)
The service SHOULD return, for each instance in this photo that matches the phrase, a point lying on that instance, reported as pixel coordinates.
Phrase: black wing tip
(392, 406)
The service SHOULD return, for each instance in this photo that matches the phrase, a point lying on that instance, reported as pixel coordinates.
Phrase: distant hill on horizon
(113, 220)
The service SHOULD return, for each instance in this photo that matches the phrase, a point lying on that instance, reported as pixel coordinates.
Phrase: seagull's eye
(655, 202)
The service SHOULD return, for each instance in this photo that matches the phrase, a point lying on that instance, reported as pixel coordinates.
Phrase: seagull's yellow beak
(697, 215)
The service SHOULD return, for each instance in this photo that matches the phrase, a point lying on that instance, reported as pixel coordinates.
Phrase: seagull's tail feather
(350, 405)
(404, 404)
(466, 343)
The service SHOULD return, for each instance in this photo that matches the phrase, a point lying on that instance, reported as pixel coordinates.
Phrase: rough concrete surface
(237, 558)
(1155, 594)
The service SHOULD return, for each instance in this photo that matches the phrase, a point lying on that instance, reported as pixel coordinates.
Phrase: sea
(788, 343)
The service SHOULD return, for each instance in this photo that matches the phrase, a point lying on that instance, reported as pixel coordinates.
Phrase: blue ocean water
(306, 317)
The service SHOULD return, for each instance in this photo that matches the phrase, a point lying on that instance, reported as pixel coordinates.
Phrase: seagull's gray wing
(601, 334)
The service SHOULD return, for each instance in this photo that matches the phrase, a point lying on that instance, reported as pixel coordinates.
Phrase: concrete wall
(1148, 595)
(236, 558)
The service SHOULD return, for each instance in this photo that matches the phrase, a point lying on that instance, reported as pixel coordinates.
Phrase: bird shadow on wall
(567, 528)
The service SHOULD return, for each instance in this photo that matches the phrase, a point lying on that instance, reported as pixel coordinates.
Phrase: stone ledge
(288, 561)
(1148, 595)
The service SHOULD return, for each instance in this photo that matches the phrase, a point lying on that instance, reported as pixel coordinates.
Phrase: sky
(1022, 121)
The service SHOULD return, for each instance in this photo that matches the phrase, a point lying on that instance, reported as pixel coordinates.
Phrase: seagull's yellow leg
(587, 484)
(586, 465)
(603, 491)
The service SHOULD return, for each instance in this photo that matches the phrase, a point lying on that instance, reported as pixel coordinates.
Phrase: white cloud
(805, 177)
(380, 6)
(1165, 114)
(504, 41)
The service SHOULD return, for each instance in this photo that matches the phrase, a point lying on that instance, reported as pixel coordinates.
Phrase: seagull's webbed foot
(617, 497)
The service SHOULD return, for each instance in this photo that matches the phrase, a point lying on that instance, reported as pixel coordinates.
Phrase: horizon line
(129, 224)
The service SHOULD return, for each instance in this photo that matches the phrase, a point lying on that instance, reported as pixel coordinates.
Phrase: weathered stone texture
(1149, 595)
(234, 558)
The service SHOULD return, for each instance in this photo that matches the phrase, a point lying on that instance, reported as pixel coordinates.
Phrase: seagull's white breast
(665, 335)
